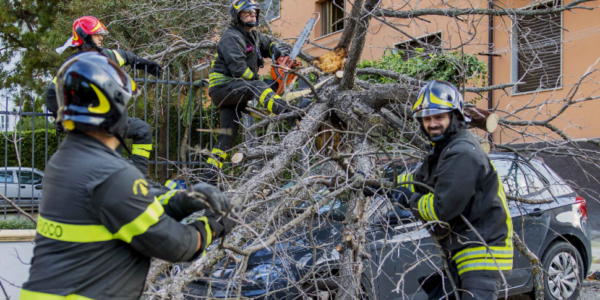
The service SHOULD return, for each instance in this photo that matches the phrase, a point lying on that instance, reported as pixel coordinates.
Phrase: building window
(272, 9)
(2, 122)
(423, 46)
(537, 57)
(332, 16)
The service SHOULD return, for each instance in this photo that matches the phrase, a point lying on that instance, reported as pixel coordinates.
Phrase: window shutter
(539, 52)
(432, 44)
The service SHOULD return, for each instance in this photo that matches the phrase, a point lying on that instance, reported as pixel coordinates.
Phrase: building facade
(549, 53)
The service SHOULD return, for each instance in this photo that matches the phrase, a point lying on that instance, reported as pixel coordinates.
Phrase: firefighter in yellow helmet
(99, 222)
(465, 183)
(234, 78)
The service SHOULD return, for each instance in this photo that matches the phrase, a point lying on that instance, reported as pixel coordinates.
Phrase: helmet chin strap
(122, 141)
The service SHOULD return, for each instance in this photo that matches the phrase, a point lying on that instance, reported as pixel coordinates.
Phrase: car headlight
(264, 274)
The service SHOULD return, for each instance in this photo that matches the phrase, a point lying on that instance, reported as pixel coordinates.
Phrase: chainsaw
(280, 68)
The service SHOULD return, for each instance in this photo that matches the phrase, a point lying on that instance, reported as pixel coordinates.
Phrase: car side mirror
(38, 187)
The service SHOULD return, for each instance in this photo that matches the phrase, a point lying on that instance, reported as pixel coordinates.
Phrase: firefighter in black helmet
(233, 76)
(99, 222)
(466, 183)
(87, 36)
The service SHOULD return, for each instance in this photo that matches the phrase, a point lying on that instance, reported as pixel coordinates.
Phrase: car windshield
(337, 208)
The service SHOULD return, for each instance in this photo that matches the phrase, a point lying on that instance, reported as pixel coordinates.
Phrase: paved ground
(590, 292)
(14, 270)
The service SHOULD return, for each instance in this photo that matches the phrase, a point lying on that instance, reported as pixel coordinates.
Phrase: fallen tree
(363, 128)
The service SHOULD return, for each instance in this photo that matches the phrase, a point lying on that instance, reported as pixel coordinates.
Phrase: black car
(306, 262)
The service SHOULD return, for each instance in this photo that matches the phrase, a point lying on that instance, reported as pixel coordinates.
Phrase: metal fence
(175, 105)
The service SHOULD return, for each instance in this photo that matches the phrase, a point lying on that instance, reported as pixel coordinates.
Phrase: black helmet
(439, 97)
(237, 6)
(92, 93)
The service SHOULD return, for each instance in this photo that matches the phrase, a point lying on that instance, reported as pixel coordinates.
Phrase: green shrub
(454, 67)
(17, 224)
(24, 142)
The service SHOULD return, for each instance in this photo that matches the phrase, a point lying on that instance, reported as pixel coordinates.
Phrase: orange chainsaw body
(279, 74)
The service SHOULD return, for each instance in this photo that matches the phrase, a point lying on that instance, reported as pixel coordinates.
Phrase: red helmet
(83, 29)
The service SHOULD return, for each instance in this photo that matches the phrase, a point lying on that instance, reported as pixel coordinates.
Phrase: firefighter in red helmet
(88, 34)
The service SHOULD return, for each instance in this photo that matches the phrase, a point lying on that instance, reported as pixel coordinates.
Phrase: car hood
(298, 246)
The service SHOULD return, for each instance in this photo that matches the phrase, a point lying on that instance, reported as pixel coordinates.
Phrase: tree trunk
(482, 119)
(352, 256)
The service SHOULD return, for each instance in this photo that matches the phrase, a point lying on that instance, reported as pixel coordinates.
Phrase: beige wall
(581, 49)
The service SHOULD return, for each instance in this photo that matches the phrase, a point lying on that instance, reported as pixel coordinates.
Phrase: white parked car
(23, 183)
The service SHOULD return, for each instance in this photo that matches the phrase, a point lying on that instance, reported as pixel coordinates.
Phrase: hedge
(9, 151)
(17, 224)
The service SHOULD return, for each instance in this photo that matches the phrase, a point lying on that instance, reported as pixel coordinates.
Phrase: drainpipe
(490, 60)
(490, 56)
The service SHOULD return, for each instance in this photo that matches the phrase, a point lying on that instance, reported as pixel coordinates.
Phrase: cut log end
(492, 123)
(339, 74)
(237, 158)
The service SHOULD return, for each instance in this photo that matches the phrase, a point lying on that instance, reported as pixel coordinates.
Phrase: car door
(537, 215)
(515, 184)
(529, 221)
(405, 254)
(28, 181)
(8, 184)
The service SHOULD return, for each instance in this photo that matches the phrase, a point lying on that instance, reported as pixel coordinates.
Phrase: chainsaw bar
(302, 38)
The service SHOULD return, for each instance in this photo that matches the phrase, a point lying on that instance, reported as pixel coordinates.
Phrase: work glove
(402, 196)
(212, 227)
(277, 52)
(220, 225)
(180, 204)
(205, 196)
(153, 68)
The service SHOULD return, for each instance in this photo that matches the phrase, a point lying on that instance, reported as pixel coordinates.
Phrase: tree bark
(351, 258)
(356, 50)
(482, 119)
(346, 38)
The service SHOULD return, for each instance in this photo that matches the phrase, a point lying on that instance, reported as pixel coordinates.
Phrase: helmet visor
(101, 31)
(430, 112)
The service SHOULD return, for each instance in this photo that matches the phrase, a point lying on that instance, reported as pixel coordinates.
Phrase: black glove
(219, 226)
(153, 68)
(204, 194)
(180, 204)
(402, 196)
(278, 52)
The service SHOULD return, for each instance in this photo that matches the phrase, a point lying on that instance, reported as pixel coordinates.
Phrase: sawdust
(333, 61)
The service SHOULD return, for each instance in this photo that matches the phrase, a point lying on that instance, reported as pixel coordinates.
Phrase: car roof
(21, 168)
(492, 156)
